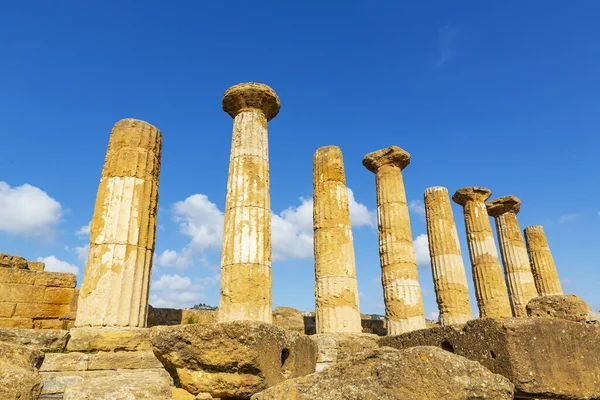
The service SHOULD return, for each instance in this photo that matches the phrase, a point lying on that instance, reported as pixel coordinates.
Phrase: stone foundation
(33, 298)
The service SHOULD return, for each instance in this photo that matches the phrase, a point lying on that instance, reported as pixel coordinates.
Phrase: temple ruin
(105, 341)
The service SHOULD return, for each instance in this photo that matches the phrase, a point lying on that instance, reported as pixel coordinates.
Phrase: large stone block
(234, 359)
(335, 347)
(37, 310)
(19, 378)
(21, 276)
(15, 322)
(19, 293)
(36, 266)
(141, 385)
(56, 279)
(543, 357)
(109, 339)
(7, 310)
(289, 319)
(76, 361)
(569, 307)
(58, 295)
(420, 373)
(10, 261)
(49, 340)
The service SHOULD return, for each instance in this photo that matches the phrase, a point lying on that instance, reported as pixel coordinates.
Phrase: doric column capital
(251, 95)
(503, 205)
(472, 193)
(392, 155)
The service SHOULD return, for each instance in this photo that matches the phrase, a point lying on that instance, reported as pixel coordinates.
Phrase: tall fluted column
(490, 287)
(521, 287)
(449, 277)
(115, 286)
(401, 290)
(542, 264)
(246, 280)
(336, 288)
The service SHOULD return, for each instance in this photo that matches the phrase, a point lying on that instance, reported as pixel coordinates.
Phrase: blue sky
(501, 95)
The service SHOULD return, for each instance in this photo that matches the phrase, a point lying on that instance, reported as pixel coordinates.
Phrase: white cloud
(564, 219)
(447, 37)
(172, 258)
(84, 230)
(417, 207)
(82, 252)
(27, 210)
(422, 251)
(175, 291)
(433, 316)
(53, 264)
(201, 220)
(359, 213)
(292, 232)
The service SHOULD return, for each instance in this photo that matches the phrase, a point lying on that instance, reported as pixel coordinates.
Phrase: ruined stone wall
(173, 316)
(33, 298)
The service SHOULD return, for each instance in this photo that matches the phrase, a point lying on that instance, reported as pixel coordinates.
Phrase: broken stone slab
(289, 318)
(181, 394)
(76, 361)
(10, 261)
(109, 339)
(19, 377)
(542, 357)
(569, 307)
(57, 382)
(140, 385)
(419, 373)
(46, 340)
(334, 347)
(233, 359)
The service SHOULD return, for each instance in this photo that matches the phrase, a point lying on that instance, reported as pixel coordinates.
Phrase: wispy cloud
(417, 207)
(446, 44)
(565, 219)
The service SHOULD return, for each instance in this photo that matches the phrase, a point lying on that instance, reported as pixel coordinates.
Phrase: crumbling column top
(392, 155)
(251, 95)
(503, 205)
(535, 228)
(471, 193)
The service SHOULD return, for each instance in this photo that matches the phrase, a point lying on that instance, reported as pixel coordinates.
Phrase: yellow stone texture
(448, 269)
(542, 264)
(16, 322)
(246, 282)
(115, 286)
(520, 282)
(490, 287)
(336, 288)
(404, 308)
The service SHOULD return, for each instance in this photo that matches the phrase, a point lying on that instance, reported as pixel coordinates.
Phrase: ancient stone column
(449, 277)
(115, 286)
(246, 253)
(521, 287)
(336, 288)
(542, 263)
(490, 287)
(401, 290)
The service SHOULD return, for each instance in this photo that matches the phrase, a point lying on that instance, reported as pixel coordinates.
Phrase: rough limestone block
(20, 276)
(569, 307)
(141, 385)
(542, 357)
(49, 340)
(10, 261)
(18, 293)
(19, 378)
(37, 310)
(335, 347)
(57, 279)
(58, 295)
(16, 322)
(289, 319)
(50, 324)
(181, 394)
(36, 266)
(109, 339)
(420, 373)
(234, 359)
(7, 310)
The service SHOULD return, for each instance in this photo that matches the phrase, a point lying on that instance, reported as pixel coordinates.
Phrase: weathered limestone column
(336, 288)
(246, 254)
(404, 309)
(115, 286)
(521, 287)
(449, 277)
(490, 287)
(542, 264)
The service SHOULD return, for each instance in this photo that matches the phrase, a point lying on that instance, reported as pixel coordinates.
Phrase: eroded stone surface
(335, 347)
(520, 283)
(542, 357)
(336, 288)
(420, 373)
(490, 287)
(246, 253)
(115, 286)
(48, 340)
(449, 276)
(542, 262)
(132, 386)
(19, 378)
(569, 307)
(109, 339)
(232, 360)
(404, 308)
